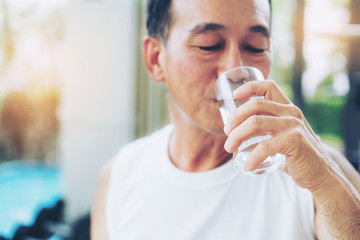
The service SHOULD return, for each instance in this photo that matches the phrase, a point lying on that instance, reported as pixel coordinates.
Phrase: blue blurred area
(25, 188)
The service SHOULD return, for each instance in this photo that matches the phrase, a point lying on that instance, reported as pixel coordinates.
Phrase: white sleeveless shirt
(149, 198)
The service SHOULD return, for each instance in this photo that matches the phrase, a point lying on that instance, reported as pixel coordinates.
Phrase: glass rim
(240, 67)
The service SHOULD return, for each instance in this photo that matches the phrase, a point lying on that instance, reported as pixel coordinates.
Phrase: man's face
(205, 39)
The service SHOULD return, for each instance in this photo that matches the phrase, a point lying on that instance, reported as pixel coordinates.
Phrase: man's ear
(152, 48)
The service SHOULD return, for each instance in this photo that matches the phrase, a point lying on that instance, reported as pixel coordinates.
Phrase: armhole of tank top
(109, 194)
(119, 157)
(115, 178)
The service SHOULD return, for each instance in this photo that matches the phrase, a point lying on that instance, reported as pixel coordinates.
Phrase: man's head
(159, 18)
(191, 42)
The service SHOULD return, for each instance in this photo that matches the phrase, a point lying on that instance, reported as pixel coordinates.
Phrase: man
(179, 183)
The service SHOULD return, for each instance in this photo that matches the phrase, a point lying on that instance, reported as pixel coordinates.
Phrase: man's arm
(98, 220)
(333, 217)
(345, 166)
(328, 177)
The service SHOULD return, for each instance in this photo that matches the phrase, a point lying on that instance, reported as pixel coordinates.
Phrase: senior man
(179, 183)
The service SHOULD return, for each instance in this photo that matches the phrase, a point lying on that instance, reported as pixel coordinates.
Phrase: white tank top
(149, 198)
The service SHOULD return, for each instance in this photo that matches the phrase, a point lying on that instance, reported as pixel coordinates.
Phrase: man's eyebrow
(206, 27)
(260, 29)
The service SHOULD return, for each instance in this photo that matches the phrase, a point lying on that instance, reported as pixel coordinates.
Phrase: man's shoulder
(138, 146)
(131, 154)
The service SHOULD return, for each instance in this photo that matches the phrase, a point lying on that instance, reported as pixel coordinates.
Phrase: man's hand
(307, 161)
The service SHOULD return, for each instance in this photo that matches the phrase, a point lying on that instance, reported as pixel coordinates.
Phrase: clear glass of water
(225, 85)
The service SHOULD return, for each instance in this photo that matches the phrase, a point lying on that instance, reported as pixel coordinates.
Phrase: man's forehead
(209, 15)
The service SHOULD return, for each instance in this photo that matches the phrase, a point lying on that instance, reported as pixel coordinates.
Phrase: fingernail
(246, 167)
(226, 129)
(227, 146)
(238, 90)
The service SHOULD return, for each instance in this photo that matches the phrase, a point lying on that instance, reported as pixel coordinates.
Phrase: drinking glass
(225, 85)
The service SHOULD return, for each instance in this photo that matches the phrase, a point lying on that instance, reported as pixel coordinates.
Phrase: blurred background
(73, 90)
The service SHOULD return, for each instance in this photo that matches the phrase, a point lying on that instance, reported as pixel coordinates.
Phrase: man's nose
(231, 58)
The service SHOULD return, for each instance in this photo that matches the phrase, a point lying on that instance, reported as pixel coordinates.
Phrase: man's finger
(268, 89)
(259, 106)
(258, 125)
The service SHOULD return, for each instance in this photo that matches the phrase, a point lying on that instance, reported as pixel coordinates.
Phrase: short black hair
(159, 18)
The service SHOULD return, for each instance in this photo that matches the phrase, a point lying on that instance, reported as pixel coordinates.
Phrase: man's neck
(194, 149)
(196, 154)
